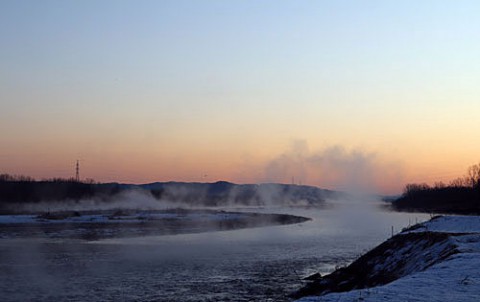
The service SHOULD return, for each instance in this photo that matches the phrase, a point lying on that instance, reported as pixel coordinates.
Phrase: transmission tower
(77, 171)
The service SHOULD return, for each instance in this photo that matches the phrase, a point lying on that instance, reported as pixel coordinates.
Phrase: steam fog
(134, 199)
(247, 264)
(201, 260)
(186, 196)
(336, 167)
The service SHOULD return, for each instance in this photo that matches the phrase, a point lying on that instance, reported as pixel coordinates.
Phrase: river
(255, 264)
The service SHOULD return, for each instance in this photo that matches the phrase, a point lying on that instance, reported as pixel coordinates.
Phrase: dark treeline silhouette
(461, 196)
(16, 191)
(24, 189)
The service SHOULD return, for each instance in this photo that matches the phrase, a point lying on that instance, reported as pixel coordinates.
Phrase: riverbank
(433, 261)
(95, 225)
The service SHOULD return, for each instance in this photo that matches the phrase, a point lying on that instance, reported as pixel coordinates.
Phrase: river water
(256, 264)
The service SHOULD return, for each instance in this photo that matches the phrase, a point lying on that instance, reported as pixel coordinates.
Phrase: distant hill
(225, 193)
(15, 192)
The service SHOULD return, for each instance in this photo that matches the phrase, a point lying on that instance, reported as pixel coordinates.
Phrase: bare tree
(413, 188)
(458, 182)
(473, 176)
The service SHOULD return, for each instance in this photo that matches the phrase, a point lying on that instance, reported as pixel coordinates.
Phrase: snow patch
(449, 224)
(451, 277)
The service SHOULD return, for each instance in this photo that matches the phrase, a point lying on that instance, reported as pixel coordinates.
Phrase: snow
(450, 224)
(9, 219)
(130, 218)
(456, 278)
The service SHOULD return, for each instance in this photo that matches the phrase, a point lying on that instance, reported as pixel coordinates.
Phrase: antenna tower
(77, 171)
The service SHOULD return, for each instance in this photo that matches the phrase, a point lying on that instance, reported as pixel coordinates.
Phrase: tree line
(24, 189)
(16, 191)
(461, 195)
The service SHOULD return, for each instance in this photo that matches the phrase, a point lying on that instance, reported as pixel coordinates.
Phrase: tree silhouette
(473, 176)
(461, 196)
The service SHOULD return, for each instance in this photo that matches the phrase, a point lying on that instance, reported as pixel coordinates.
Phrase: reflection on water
(261, 264)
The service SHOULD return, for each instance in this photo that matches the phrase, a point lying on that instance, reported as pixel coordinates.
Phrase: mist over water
(259, 264)
(336, 167)
(132, 199)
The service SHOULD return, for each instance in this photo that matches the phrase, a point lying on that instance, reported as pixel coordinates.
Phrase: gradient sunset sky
(366, 95)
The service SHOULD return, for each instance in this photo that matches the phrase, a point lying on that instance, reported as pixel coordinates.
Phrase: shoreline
(122, 224)
(407, 267)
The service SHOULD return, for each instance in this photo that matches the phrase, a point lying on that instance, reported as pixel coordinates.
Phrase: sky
(369, 95)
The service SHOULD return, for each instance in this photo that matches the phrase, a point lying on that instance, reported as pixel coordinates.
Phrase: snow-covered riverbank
(438, 260)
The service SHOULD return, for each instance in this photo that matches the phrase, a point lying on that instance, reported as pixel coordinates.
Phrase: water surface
(257, 264)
